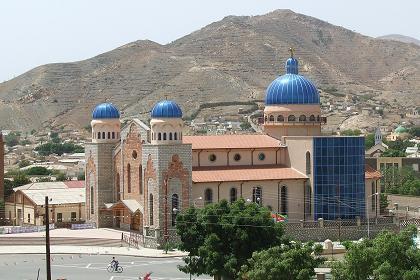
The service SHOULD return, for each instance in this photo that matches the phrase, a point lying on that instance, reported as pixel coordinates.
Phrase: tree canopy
(401, 181)
(389, 256)
(58, 148)
(292, 261)
(221, 237)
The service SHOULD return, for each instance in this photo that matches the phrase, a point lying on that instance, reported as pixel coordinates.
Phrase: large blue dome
(291, 88)
(105, 111)
(166, 109)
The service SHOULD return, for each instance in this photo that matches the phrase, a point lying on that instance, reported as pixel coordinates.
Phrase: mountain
(234, 59)
(401, 38)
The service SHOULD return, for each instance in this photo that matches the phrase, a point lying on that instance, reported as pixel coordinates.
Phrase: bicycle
(111, 268)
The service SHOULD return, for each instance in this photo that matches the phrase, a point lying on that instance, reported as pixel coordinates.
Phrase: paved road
(85, 267)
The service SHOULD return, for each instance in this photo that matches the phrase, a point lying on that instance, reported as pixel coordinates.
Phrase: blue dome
(291, 88)
(105, 111)
(166, 109)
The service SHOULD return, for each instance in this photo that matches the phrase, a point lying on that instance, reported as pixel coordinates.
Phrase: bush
(37, 170)
(58, 148)
(24, 163)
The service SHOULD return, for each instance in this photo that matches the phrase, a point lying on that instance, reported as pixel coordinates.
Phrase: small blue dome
(105, 111)
(292, 66)
(166, 109)
(291, 88)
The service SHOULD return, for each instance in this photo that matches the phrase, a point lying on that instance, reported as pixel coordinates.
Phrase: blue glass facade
(339, 177)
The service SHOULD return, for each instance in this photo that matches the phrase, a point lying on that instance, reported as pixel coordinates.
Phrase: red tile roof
(371, 173)
(231, 142)
(245, 173)
(75, 184)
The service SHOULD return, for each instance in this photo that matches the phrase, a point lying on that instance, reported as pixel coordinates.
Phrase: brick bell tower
(1, 175)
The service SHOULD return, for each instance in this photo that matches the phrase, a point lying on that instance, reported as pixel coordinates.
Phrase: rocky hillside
(233, 59)
(401, 38)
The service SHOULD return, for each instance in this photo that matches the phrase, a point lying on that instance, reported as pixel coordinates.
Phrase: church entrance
(137, 222)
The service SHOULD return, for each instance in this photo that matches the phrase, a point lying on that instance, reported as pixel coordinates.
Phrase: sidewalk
(92, 250)
(64, 232)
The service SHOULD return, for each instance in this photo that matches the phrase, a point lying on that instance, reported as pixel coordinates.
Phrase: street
(89, 267)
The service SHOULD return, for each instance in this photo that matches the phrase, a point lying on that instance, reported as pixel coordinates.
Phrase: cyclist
(114, 263)
(146, 277)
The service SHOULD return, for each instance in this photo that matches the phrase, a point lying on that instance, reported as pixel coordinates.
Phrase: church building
(140, 176)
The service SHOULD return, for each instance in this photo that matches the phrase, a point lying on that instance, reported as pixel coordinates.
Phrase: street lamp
(367, 213)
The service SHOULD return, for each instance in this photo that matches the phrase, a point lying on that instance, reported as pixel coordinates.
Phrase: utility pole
(47, 239)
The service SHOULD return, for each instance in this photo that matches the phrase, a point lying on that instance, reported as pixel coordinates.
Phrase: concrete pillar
(321, 222)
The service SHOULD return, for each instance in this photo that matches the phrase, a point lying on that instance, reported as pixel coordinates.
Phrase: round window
(237, 157)
(134, 154)
(261, 156)
(212, 157)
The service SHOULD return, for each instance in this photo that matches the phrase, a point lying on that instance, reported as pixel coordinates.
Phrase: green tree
(369, 141)
(401, 181)
(58, 148)
(415, 131)
(245, 125)
(389, 256)
(81, 177)
(24, 163)
(8, 187)
(12, 139)
(20, 179)
(221, 237)
(61, 177)
(37, 170)
(292, 261)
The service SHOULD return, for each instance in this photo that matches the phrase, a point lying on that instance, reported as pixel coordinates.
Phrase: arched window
(159, 136)
(113, 135)
(302, 118)
(233, 195)
(308, 199)
(280, 118)
(265, 118)
(103, 135)
(92, 200)
(257, 195)
(151, 209)
(140, 180)
(109, 135)
(118, 188)
(317, 118)
(175, 208)
(208, 196)
(175, 136)
(283, 200)
(128, 178)
(312, 118)
(99, 135)
(291, 118)
(170, 135)
(164, 136)
(308, 163)
(271, 118)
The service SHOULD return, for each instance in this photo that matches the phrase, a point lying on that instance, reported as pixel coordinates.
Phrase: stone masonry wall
(169, 161)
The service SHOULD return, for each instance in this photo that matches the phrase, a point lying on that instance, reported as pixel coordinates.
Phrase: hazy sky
(36, 32)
